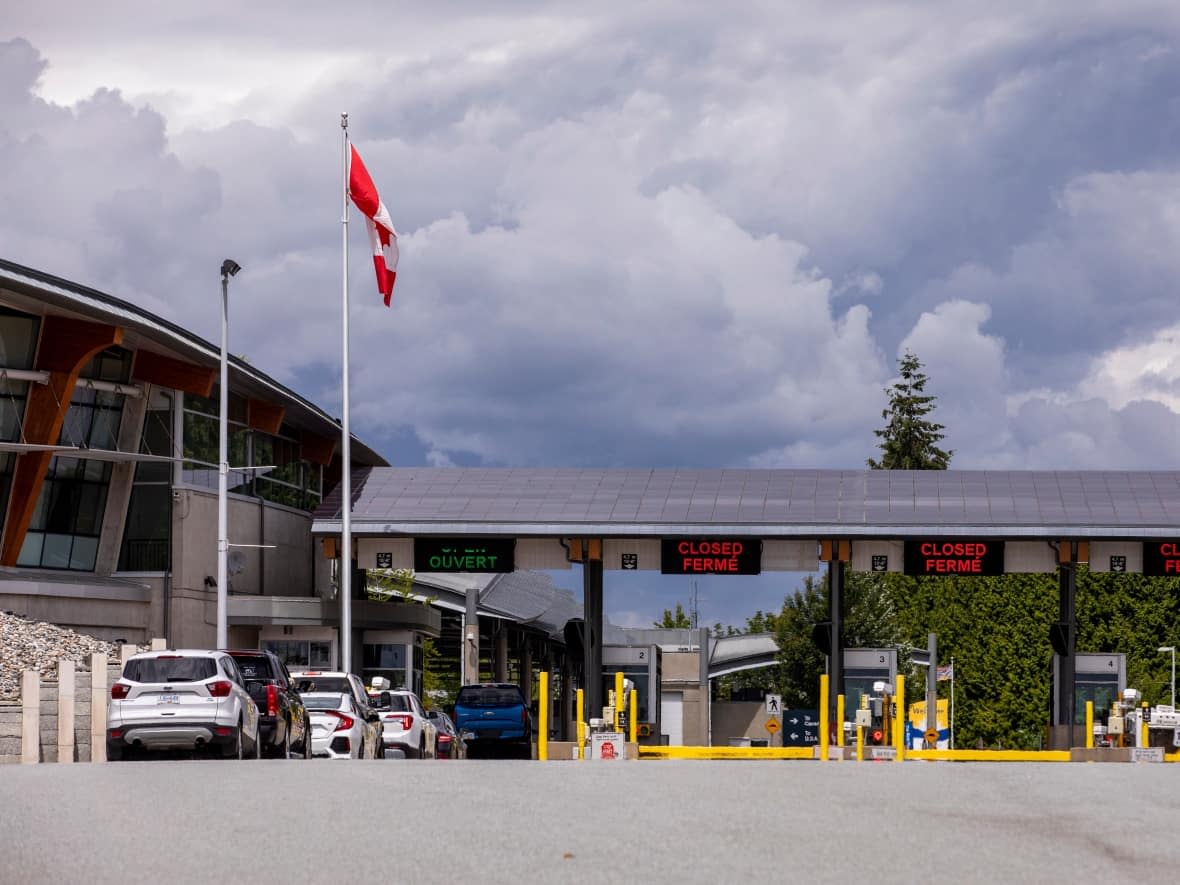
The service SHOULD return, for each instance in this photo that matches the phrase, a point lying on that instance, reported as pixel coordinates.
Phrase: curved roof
(43, 294)
(760, 503)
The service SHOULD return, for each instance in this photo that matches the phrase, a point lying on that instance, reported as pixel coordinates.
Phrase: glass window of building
(147, 544)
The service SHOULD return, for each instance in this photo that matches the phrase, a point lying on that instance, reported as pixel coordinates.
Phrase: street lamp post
(229, 268)
(1172, 649)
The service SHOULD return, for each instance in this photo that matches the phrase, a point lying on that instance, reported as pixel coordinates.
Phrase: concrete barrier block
(159, 644)
(100, 679)
(65, 711)
(30, 693)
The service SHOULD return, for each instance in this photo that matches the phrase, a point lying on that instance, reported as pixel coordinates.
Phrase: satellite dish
(236, 563)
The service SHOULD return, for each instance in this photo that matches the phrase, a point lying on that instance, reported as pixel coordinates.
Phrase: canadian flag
(382, 236)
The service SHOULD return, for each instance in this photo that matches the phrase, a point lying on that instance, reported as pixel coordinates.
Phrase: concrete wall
(98, 610)
(734, 719)
(289, 569)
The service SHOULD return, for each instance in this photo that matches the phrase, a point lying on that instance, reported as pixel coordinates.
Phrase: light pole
(229, 268)
(1172, 649)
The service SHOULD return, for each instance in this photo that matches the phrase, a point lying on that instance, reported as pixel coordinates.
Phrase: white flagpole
(345, 454)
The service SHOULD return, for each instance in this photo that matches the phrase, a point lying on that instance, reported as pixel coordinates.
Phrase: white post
(98, 707)
(30, 730)
(65, 711)
(345, 453)
(223, 472)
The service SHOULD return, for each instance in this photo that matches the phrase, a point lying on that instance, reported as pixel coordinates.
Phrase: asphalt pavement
(495, 821)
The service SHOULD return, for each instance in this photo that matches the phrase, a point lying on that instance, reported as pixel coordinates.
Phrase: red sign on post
(954, 556)
(710, 556)
(1161, 559)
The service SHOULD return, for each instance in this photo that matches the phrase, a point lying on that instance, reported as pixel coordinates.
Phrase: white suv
(405, 725)
(187, 700)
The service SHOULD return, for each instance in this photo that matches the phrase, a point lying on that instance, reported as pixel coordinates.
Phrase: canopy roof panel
(759, 503)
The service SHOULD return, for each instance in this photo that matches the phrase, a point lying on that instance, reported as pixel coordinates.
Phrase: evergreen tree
(909, 440)
(678, 620)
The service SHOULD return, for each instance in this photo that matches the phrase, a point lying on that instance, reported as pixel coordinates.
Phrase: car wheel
(306, 739)
(286, 751)
(257, 744)
(235, 750)
(422, 748)
(114, 753)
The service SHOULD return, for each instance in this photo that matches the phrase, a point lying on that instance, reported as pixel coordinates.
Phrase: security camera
(230, 268)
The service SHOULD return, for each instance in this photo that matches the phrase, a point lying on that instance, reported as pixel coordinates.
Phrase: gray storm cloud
(632, 238)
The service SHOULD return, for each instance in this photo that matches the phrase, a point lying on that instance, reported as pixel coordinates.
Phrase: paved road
(643, 822)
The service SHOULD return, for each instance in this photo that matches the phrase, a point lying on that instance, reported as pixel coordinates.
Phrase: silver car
(181, 700)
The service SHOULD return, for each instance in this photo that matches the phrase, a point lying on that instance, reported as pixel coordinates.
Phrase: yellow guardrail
(654, 752)
(657, 752)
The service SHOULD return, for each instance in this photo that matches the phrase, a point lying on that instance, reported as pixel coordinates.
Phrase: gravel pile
(36, 645)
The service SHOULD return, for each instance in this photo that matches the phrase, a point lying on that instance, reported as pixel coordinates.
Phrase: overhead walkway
(748, 651)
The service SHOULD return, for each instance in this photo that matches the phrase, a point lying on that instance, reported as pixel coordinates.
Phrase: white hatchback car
(181, 700)
(338, 729)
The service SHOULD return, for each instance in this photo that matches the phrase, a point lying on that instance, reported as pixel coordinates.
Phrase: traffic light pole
(835, 611)
(1067, 615)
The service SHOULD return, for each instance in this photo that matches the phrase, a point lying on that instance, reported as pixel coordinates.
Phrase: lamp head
(230, 268)
(1170, 648)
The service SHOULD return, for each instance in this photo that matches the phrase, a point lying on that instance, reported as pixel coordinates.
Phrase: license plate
(168, 699)
(469, 735)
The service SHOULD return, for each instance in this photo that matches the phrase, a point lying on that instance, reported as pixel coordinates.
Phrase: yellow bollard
(860, 743)
(619, 699)
(581, 702)
(543, 718)
(839, 720)
(633, 718)
(900, 719)
(1089, 725)
(824, 718)
(1144, 740)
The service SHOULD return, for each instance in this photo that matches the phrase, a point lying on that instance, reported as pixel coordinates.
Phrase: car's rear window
(325, 702)
(489, 696)
(322, 683)
(399, 703)
(178, 669)
(254, 666)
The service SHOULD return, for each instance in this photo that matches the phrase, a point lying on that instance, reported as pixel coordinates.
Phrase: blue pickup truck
(493, 718)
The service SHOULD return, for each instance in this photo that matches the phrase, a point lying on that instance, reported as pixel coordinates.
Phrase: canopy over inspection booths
(938, 523)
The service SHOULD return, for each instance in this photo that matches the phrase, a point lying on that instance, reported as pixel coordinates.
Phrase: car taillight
(119, 690)
(405, 720)
(220, 689)
(345, 721)
(115, 733)
(444, 738)
(272, 701)
(524, 716)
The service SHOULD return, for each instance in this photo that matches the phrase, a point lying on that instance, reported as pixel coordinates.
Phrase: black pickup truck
(283, 724)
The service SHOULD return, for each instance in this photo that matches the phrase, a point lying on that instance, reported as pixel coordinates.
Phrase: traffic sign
(800, 728)
(774, 704)
(931, 735)
(772, 725)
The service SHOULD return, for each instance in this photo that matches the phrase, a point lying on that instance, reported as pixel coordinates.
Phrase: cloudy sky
(643, 234)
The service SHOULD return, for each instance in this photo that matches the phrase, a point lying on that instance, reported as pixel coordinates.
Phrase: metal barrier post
(633, 719)
(581, 723)
(839, 720)
(543, 718)
(825, 721)
(1089, 725)
(900, 719)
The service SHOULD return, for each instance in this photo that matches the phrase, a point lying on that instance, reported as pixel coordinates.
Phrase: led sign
(954, 556)
(711, 556)
(1161, 559)
(464, 554)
